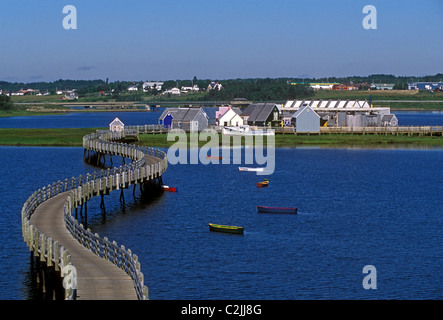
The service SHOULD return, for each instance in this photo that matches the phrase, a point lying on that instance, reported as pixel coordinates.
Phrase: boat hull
(169, 189)
(226, 229)
(263, 209)
(262, 184)
(251, 169)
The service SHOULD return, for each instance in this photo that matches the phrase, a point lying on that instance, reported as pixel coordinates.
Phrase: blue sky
(169, 40)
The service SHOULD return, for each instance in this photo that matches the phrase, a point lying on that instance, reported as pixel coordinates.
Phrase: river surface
(357, 207)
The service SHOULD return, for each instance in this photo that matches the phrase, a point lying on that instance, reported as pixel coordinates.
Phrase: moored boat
(264, 209)
(170, 189)
(225, 228)
(263, 183)
(251, 169)
(213, 157)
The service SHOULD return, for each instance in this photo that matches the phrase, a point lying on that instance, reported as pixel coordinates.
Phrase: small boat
(170, 189)
(213, 158)
(263, 184)
(263, 209)
(226, 229)
(251, 169)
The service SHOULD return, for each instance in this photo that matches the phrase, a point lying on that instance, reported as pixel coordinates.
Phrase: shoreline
(73, 137)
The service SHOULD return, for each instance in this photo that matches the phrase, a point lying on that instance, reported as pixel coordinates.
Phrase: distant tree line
(259, 90)
(252, 89)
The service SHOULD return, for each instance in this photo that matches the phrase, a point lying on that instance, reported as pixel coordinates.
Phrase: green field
(74, 138)
(44, 137)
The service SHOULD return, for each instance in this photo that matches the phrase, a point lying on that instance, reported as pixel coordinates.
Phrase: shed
(116, 125)
(389, 120)
(306, 120)
(261, 114)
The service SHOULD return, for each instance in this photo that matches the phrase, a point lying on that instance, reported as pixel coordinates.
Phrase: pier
(89, 266)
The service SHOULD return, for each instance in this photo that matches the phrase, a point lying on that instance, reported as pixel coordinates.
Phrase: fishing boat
(213, 158)
(263, 209)
(226, 229)
(170, 189)
(263, 183)
(251, 169)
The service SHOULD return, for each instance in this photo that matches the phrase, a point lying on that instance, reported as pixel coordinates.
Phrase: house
(195, 88)
(383, 86)
(306, 120)
(116, 125)
(173, 91)
(71, 95)
(261, 114)
(188, 119)
(214, 86)
(151, 85)
(389, 120)
(230, 118)
(133, 88)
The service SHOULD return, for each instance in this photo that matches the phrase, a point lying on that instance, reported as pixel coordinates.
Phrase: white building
(173, 91)
(230, 119)
(151, 85)
(195, 88)
(116, 125)
(133, 88)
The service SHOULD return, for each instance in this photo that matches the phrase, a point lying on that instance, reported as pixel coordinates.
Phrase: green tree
(5, 103)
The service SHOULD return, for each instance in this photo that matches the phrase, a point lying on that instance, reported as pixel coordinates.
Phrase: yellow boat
(226, 229)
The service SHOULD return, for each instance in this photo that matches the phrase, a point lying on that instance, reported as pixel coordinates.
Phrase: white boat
(246, 131)
(251, 169)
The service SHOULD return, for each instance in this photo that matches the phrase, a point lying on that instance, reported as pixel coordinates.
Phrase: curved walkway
(103, 271)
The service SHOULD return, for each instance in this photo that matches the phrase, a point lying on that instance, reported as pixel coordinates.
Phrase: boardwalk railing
(82, 189)
(400, 130)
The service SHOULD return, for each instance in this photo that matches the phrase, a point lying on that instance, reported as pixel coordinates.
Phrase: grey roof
(303, 109)
(258, 111)
(387, 117)
(181, 114)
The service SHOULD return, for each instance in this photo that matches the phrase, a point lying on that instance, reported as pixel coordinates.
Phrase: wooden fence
(82, 189)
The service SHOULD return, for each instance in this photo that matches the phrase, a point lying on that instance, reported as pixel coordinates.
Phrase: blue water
(357, 207)
(81, 120)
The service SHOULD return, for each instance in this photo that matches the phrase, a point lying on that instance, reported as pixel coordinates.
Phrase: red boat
(213, 157)
(263, 184)
(263, 209)
(167, 188)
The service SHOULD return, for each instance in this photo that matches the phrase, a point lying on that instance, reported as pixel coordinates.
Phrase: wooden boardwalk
(97, 278)
(92, 268)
